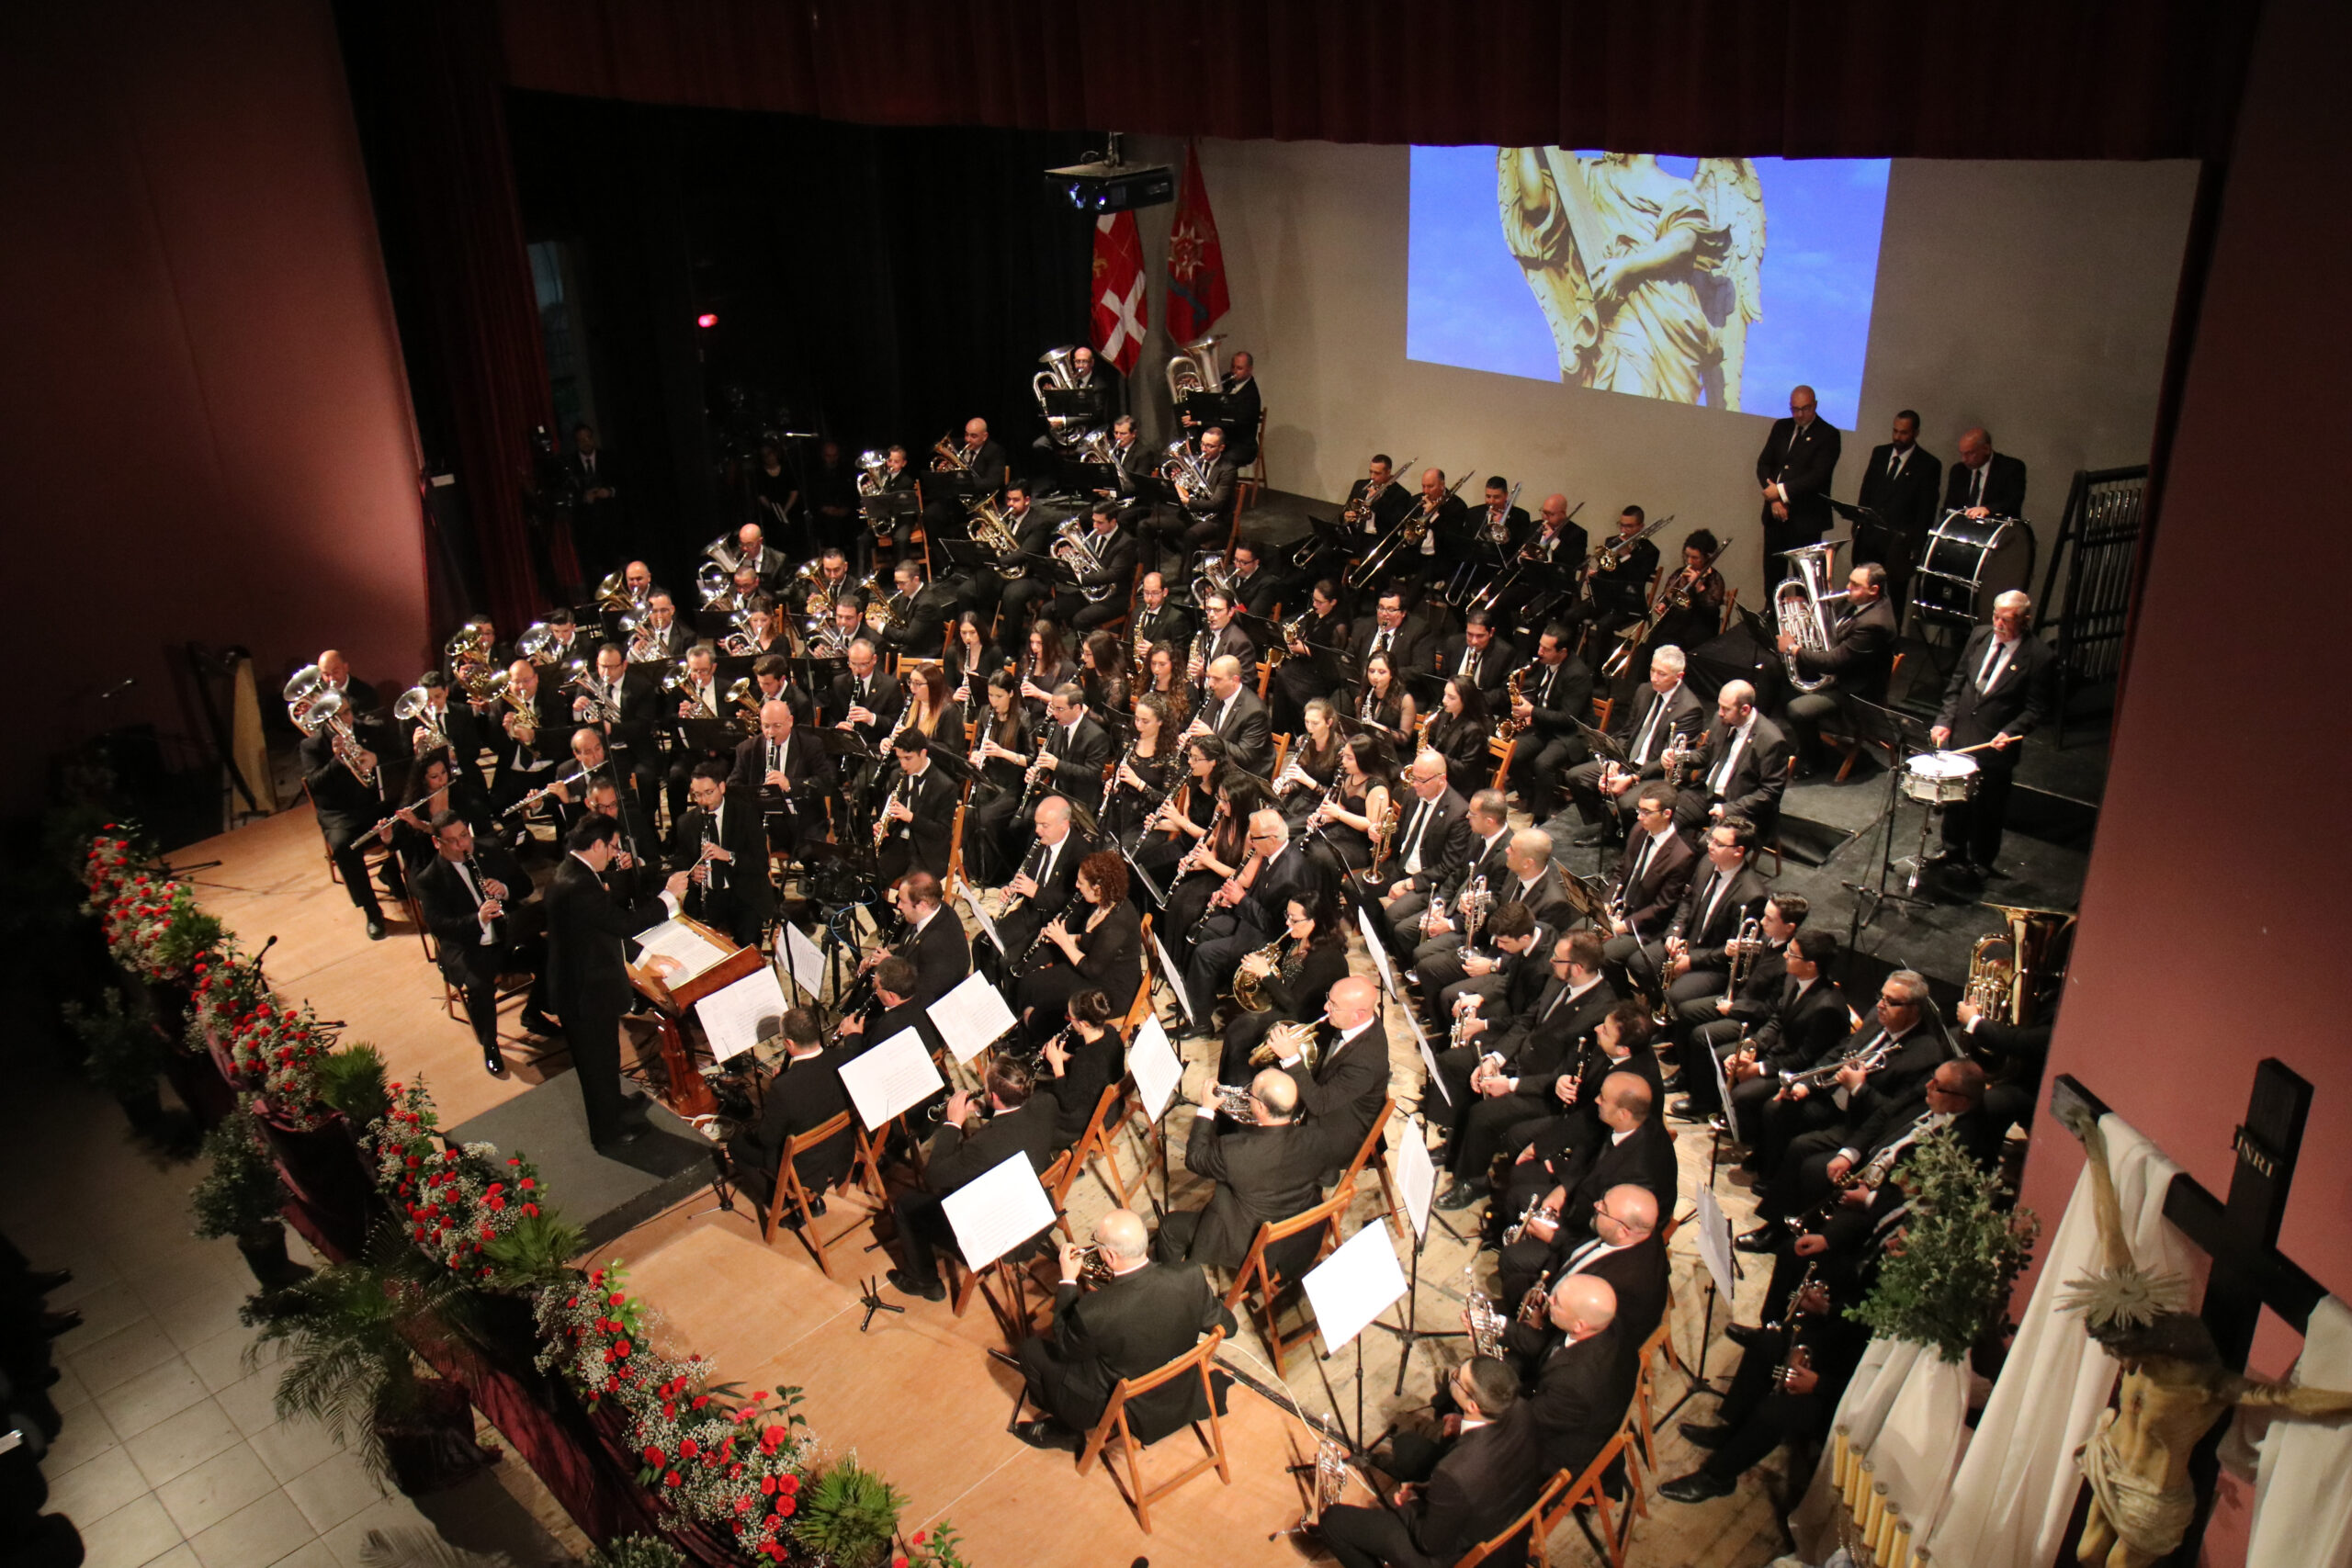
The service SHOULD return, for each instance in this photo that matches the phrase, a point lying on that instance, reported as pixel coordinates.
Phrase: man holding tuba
(1860, 653)
(1081, 370)
(1108, 566)
(1203, 482)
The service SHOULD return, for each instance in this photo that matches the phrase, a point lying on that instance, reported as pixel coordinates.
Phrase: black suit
(2000, 491)
(2022, 693)
(1638, 1274)
(1859, 657)
(1800, 1030)
(1406, 646)
(1128, 1326)
(1243, 725)
(588, 985)
(1078, 753)
(1118, 552)
(805, 1093)
(1646, 734)
(1579, 1398)
(1301, 678)
(955, 1158)
(919, 626)
(1905, 500)
(348, 811)
(942, 954)
(923, 844)
(1536, 1048)
(1794, 1130)
(1452, 859)
(1652, 876)
(1643, 1159)
(880, 696)
(1169, 624)
(735, 896)
(1758, 777)
(1343, 1092)
(517, 939)
(1263, 1175)
(1488, 1476)
(1803, 463)
(1258, 594)
(809, 778)
(1561, 696)
(1055, 890)
(1219, 941)
(1241, 427)
(1491, 665)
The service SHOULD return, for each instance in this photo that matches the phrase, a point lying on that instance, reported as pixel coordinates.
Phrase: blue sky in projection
(1467, 304)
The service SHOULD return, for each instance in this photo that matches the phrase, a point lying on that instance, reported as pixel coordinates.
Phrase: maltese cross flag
(1196, 296)
(1120, 309)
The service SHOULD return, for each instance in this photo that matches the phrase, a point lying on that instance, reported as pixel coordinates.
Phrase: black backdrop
(885, 284)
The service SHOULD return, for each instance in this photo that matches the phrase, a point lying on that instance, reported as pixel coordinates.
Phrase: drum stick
(1980, 745)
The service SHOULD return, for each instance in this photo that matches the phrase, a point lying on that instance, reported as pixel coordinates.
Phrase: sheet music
(998, 1210)
(971, 1018)
(731, 1015)
(1170, 967)
(1379, 953)
(1153, 1063)
(1714, 1242)
(987, 927)
(1428, 1057)
(1416, 1177)
(895, 1076)
(801, 960)
(1354, 1285)
(686, 948)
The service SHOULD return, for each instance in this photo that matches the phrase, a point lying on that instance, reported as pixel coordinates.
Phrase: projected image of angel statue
(1648, 280)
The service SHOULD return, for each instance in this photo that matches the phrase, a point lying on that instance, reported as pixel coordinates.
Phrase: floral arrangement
(154, 927)
(227, 988)
(454, 1198)
(275, 1051)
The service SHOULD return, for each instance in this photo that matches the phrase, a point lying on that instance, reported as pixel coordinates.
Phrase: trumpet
(1233, 1100)
(1536, 1306)
(1093, 1268)
(1868, 1060)
(1486, 1323)
(1740, 952)
(1536, 1209)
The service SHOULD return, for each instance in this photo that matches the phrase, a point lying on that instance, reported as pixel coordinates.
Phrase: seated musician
(1114, 552)
(1293, 977)
(623, 705)
(699, 699)
(1000, 751)
(897, 983)
(1615, 596)
(967, 1145)
(1652, 873)
(1663, 712)
(1131, 464)
(1032, 527)
(863, 699)
(1554, 695)
(474, 902)
(1046, 881)
(1202, 513)
(758, 633)
(919, 612)
(1244, 918)
(893, 539)
(1311, 764)
(2012, 1056)
(935, 941)
(1445, 971)
(918, 815)
(1220, 637)
(843, 625)
(721, 847)
(1341, 1068)
(1584, 1375)
(1103, 674)
(1046, 665)
(1480, 658)
(434, 786)
(1786, 1389)
(1444, 845)
(1628, 1143)
(1486, 1472)
(1158, 618)
(1383, 706)
(1457, 731)
(1309, 669)
(1136, 1319)
(1265, 1170)
(1807, 1021)
(1095, 942)
(662, 638)
(1340, 833)
(805, 1093)
(1501, 1069)
(1859, 657)
(1257, 588)
(451, 728)
(1743, 766)
(1145, 776)
(1072, 748)
(1207, 840)
(1688, 603)
(1723, 895)
(1375, 504)
(1725, 1025)
(1623, 1249)
(1542, 569)
(789, 777)
(1231, 710)
(628, 877)
(1390, 632)
(526, 753)
(1079, 1061)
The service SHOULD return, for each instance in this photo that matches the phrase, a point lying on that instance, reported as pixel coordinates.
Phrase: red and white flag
(1122, 309)
(1196, 296)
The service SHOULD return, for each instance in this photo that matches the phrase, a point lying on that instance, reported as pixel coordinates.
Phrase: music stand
(1601, 743)
(709, 737)
(968, 555)
(1210, 408)
(1904, 737)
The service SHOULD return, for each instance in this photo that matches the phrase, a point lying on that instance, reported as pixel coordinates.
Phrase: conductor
(586, 982)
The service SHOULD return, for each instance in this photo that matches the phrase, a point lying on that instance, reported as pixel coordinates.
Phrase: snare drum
(1940, 778)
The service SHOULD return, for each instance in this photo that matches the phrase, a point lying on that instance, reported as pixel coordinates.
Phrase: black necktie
(1641, 865)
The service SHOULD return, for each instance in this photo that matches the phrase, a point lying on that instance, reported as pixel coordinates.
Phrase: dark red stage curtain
(1990, 79)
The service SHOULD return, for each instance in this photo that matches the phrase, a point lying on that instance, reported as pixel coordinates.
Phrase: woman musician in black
(1095, 943)
(1047, 667)
(1076, 1066)
(972, 659)
(1184, 816)
(1309, 958)
(1340, 830)
(1166, 667)
(408, 833)
(1103, 672)
(1143, 777)
(1001, 749)
(1384, 704)
(1458, 732)
(1313, 760)
(1689, 604)
(1221, 854)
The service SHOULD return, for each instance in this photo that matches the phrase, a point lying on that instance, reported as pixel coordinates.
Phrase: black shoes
(1696, 1487)
(1683, 1110)
(1460, 1196)
(791, 1221)
(1746, 1335)
(542, 1026)
(56, 1323)
(906, 1284)
(1593, 838)
(493, 1064)
(1046, 1434)
(1763, 1238)
(42, 1281)
(375, 928)
(1706, 1434)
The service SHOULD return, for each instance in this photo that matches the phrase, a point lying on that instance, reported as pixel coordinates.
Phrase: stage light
(706, 320)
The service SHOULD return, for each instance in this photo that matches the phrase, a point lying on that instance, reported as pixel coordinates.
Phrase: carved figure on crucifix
(2174, 1388)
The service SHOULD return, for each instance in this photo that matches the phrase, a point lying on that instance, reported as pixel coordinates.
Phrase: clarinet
(882, 822)
(1017, 901)
(1035, 776)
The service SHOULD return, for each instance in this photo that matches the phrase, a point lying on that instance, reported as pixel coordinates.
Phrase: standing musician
(920, 612)
(1140, 1318)
(1157, 619)
(1983, 483)
(587, 982)
(720, 845)
(1305, 672)
(917, 813)
(1555, 694)
(1047, 877)
(805, 1093)
(968, 1147)
(1232, 712)
(2004, 685)
(1614, 597)
(1001, 754)
(1743, 766)
(1095, 943)
(1664, 711)
(1144, 776)
(789, 777)
(1794, 468)
(474, 902)
(1339, 832)
(1861, 654)
(1900, 488)
(1293, 975)
(1114, 552)
(353, 794)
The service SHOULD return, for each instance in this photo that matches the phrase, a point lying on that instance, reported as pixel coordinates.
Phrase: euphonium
(1072, 547)
(2007, 969)
(716, 584)
(1800, 608)
(1194, 369)
(416, 703)
(951, 458)
(987, 524)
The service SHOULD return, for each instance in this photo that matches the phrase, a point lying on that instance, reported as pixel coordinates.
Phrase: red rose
(671, 1479)
(918, 1538)
(790, 1483)
(622, 1348)
(654, 1457)
(768, 1485)
(689, 1447)
(784, 1507)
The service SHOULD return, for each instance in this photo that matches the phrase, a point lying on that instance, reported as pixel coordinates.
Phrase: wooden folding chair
(1524, 1524)
(1265, 674)
(1112, 1430)
(1141, 1007)
(1101, 1137)
(956, 848)
(1661, 1342)
(1587, 1490)
(1500, 751)
(1852, 745)
(1259, 1278)
(1731, 611)
(789, 1189)
(1367, 1152)
(1601, 708)
(1282, 752)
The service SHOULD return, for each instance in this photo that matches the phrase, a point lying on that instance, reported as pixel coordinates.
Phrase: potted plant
(347, 1333)
(123, 1054)
(849, 1517)
(351, 1080)
(239, 1195)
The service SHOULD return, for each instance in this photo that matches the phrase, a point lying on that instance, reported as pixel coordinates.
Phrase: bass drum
(1967, 564)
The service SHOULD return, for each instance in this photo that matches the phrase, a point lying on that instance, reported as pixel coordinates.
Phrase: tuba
(723, 551)
(2010, 970)
(989, 529)
(1058, 374)
(1800, 608)
(1193, 370)
(948, 457)
(1073, 550)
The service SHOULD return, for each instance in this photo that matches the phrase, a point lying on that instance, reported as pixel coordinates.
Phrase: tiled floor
(172, 1454)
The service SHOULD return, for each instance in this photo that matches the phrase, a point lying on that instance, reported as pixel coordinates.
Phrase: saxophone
(1507, 728)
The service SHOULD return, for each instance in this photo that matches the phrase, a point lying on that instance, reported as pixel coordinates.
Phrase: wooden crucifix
(2241, 1236)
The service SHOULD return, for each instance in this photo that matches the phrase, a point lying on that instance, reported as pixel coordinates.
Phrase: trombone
(1408, 535)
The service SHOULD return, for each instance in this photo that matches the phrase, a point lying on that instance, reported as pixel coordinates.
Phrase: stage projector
(1112, 187)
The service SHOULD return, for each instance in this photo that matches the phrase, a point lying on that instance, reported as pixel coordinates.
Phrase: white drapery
(2302, 1509)
(1908, 1410)
(2007, 1506)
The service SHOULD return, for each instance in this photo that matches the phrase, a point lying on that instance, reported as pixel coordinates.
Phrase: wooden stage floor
(918, 1396)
